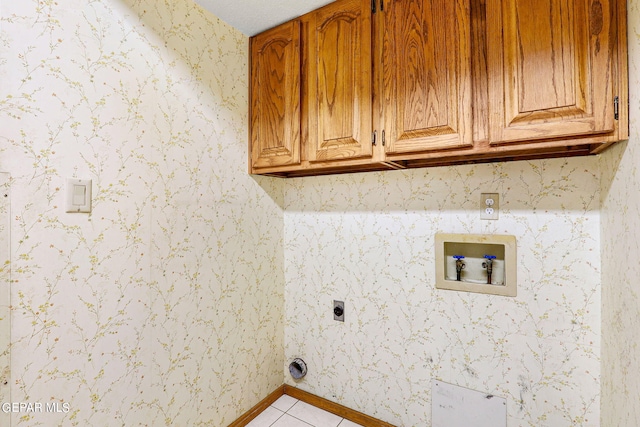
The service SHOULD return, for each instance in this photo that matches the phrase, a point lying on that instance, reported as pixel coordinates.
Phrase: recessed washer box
(482, 263)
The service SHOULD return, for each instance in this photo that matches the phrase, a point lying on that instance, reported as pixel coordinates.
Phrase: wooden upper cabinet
(275, 97)
(338, 81)
(438, 82)
(426, 75)
(551, 67)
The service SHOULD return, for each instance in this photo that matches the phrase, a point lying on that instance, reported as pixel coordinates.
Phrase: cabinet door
(550, 68)
(275, 96)
(339, 81)
(426, 75)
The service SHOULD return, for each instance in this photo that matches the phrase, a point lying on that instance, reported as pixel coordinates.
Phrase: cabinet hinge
(381, 5)
(374, 136)
(616, 108)
(373, 6)
(383, 138)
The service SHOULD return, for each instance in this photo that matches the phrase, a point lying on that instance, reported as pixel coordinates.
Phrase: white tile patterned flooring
(290, 412)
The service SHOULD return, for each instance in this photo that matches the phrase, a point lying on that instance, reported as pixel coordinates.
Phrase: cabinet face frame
(551, 69)
(426, 75)
(275, 97)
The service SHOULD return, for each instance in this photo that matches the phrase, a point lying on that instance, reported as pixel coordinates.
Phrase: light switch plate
(78, 195)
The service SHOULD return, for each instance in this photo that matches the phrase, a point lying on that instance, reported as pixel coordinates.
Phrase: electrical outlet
(489, 206)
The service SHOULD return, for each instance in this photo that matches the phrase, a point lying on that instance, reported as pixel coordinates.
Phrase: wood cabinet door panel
(275, 96)
(426, 75)
(550, 68)
(339, 81)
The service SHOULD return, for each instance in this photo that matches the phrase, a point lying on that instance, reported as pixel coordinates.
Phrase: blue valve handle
(458, 256)
(490, 256)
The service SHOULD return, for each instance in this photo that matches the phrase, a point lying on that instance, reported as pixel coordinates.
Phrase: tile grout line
(292, 416)
(304, 421)
(281, 415)
(287, 412)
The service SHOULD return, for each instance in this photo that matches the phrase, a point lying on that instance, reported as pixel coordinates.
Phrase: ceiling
(254, 16)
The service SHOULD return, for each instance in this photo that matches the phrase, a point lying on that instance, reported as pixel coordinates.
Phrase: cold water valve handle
(488, 264)
(459, 265)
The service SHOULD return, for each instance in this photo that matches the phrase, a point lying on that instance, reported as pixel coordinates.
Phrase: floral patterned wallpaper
(560, 355)
(5, 296)
(620, 248)
(368, 239)
(170, 302)
(164, 306)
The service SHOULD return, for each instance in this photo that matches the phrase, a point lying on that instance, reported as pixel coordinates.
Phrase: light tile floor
(290, 412)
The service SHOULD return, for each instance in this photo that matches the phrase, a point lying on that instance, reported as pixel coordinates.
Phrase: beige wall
(164, 306)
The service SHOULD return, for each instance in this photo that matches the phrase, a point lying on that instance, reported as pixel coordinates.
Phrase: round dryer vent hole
(298, 368)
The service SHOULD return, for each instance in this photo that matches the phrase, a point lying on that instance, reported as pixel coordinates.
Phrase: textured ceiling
(254, 16)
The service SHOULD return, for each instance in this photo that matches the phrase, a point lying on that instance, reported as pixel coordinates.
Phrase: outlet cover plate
(489, 206)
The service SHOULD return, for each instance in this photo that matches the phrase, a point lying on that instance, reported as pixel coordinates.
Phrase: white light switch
(78, 195)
